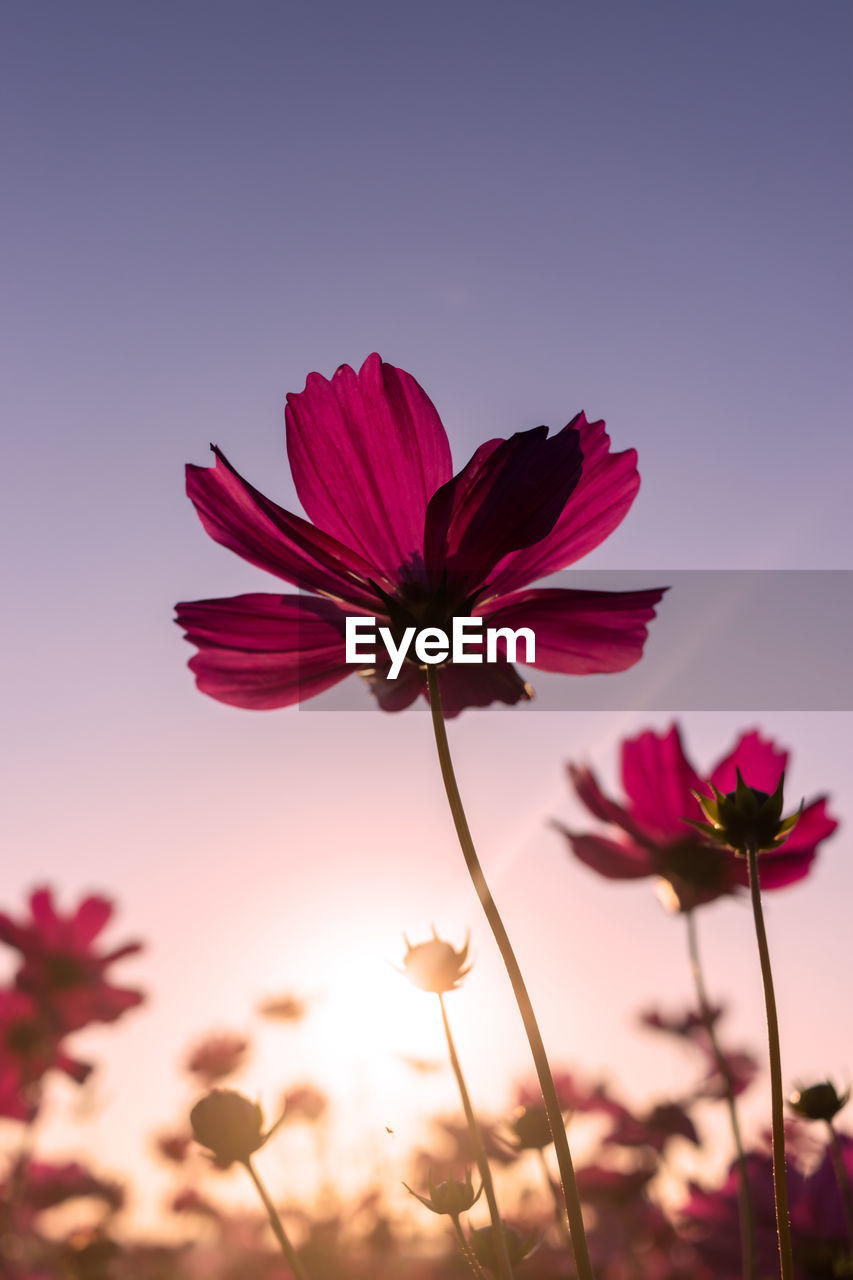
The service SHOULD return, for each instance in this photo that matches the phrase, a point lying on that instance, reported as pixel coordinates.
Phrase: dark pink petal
(814, 825)
(507, 497)
(776, 869)
(658, 780)
(610, 858)
(760, 761)
(129, 949)
(480, 686)
(459, 686)
(368, 451)
(396, 695)
(45, 918)
(263, 651)
(579, 632)
(607, 487)
(601, 806)
(239, 517)
(91, 917)
(73, 1067)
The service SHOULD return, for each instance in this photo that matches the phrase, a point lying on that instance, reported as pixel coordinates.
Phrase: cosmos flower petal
(579, 632)
(239, 517)
(396, 695)
(814, 825)
(760, 761)
(459, 686)
(367, 451)
(776, 868)
(92, 916)
(509, 495)
(601, 806)
(610, 858)
(262, 651)
(600, 502)
(659, 782)
(45, 917)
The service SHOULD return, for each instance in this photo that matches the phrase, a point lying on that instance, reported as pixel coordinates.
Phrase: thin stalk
(479, 1148)
(780, 1181)
(556, 1197)
(843, 1180)
(745, 1206)
(276, 1223)
(467, 1252)
(522, 999)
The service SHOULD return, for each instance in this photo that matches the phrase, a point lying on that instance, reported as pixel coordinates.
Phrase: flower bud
(531, 1128)
(518, 1246)
(746, 818)
(818, 1101)
(452, 1196)
(434, 965)
(228, 1124)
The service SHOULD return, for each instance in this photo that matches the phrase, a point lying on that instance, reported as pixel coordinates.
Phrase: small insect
(388, 1129)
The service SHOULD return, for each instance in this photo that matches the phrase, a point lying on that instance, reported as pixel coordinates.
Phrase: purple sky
(638, 210)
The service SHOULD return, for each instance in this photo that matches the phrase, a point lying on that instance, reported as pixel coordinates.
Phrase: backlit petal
(367, 451)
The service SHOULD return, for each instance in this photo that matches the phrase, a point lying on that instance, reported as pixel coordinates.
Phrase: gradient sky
(642, 211)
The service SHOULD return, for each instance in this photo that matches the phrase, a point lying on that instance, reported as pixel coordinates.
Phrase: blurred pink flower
(395, 535)
(45, 1184)
(29, 1046)
(304, 1102)
(62, 968)
(653, 837)
(217, 1056)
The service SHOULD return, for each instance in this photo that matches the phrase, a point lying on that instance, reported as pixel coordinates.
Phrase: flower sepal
(450, 1196)
(746, 818)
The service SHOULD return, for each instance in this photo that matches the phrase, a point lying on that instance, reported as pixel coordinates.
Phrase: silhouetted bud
(531, 1128)
(518, 1246)
(818, 1101)
(452, 1196)
(434, 965)
(746, 818)
(228, 1124)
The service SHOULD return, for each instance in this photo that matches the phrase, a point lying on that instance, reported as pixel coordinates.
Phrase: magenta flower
(397, 536)
(30, 1045)
(62, 968)
(653, 838)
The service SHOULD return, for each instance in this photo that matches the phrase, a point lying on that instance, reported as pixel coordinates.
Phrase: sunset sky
(642, 211)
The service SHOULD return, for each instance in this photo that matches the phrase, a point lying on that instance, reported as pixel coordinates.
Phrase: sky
(641, 211)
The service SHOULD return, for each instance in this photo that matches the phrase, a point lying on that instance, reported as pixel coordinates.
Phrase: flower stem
(557, 1198)
(843, 1178)
(479, 1148)
(467, 1251)
(531, 1027)
(746, 1212)
(780, 1181)
(275, 1222)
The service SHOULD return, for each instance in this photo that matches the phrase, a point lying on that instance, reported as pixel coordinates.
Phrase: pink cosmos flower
(218, 1056)
(29, 1047)
(653, 838)
(397, 536)
(62, 968)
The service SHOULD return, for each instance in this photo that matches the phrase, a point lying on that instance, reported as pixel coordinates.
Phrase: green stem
(843, 1180)
(467, 1252)
(780, 1181)
(276, 1223)
(745, 1206)
(531, 1027)
(479, 1149)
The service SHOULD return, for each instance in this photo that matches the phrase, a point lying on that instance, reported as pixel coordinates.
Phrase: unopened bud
(228, 1124)
(818, 1101)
